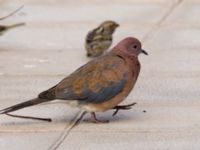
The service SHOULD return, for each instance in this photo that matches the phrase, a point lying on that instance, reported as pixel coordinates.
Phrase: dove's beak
(144, 52)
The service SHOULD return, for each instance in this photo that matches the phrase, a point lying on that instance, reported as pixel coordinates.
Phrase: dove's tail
(29, 103)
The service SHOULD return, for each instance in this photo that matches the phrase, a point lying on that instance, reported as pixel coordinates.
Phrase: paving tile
(132, 10)
(20, 88)
(76, 24)
(186, 13)
(30, 141)
(93, 12)
(44, 57)
(174, 38)
(51, 46)
(133, 140)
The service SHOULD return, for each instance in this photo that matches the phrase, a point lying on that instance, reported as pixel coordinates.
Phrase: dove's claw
(123, 107)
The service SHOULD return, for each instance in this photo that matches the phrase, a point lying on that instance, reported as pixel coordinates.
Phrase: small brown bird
(3, 28)
(99, 85)
(100, 39)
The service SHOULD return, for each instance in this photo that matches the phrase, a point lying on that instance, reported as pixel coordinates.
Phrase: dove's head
(130, 46)
(108, 27)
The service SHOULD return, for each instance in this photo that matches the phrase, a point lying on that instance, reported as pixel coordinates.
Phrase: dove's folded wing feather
(95, 82)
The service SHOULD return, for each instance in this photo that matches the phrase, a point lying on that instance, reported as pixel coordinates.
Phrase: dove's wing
(95, 82)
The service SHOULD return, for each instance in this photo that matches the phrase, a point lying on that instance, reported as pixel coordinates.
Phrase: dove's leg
(123, 107)
(97, 120)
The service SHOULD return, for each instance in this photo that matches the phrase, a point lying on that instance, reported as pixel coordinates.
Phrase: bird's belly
(85, 107)
(106, 44)
(72, 103)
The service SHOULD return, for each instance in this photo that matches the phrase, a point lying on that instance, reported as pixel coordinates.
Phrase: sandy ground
(51, 46)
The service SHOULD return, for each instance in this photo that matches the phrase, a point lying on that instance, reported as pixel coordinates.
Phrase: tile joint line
(163, 18)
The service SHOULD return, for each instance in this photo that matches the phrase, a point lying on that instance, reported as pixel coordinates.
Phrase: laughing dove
(99, 85)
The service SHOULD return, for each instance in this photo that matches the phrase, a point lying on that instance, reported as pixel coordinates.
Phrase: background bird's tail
(29, 103)
(15, 25)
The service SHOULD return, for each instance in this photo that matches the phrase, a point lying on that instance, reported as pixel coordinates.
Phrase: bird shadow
(87, 119)
(120, 117)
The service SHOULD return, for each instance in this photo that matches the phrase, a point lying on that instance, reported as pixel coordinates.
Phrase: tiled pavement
(37, 56)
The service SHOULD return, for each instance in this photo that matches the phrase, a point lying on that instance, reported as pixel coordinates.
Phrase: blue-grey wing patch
(104, 94)
(95, 82)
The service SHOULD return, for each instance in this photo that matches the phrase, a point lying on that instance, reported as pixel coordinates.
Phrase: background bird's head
(108, 27)
(130, 46)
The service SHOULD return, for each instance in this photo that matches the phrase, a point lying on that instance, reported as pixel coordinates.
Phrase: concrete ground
(51, 45)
